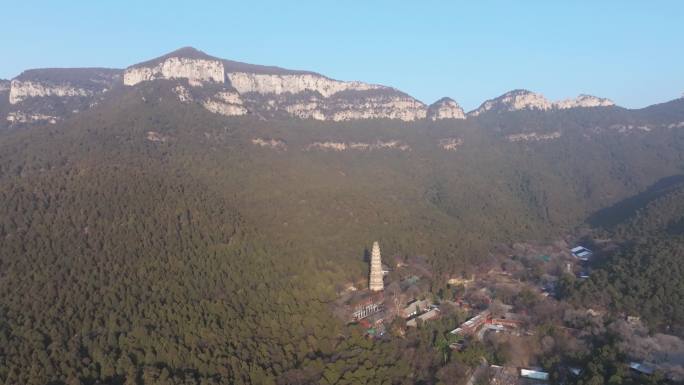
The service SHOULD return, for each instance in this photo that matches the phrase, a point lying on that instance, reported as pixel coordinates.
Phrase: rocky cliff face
(196, 71)
(359, 146)
(15, 117)
(526, 100)
(378, 106)
(48, 95)
(513, 101)
(22, 90)
(279, 84)
(270, 92)
(312, 96)
(62, 83)
(232, 88)
(445, 108)
(225, 103)
(584, 101)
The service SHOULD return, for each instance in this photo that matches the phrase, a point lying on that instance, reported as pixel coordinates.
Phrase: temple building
(375, 282)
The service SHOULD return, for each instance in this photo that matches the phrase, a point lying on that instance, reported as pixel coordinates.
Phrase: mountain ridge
(235, 88)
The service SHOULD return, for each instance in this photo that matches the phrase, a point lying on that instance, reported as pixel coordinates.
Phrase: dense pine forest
(644, 276)
(201, 258)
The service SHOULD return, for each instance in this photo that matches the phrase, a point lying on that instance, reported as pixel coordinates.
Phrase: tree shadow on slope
(621, 211)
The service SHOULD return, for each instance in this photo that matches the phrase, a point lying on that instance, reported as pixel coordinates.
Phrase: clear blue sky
(629, 51)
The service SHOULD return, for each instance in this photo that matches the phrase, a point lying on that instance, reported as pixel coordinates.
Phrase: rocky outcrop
(311, 109)
(232, 88)
(526, 100)
(183, 94)
(329, 146)
(16, 117)
(65, 83)
(375, 105)
(312, 96)
(624, 128)
(450, 144)
(274, 144)
(533, 136)
(513, 101)
(51, 94)
(279, 84)
(445, 108)
(583, 101)
(225, 103)
(342, 106)
(154, 136)
(21, 90)
(196, 71)
(360, 146)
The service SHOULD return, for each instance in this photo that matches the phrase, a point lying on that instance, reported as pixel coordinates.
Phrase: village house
(414, 308)
(432, 314)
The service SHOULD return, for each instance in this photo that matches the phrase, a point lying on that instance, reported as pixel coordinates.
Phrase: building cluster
(483, 322)
(506, 375)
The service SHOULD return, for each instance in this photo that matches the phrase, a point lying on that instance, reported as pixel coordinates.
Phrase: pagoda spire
(375, 282)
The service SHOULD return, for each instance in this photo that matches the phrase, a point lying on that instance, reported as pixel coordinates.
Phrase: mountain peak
(584, 100)
(183, 52)
(187, 51)
(514, 100)
(186, 62)
(445, 108)
(522, 99)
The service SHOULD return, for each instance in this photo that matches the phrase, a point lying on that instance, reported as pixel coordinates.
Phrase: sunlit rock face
(526, 100)
(16, 117)
(445, 108)
(450, 144)
(62, 83)
(359, 146)
(274, 144)
(154, 136)
(225, 103)
(311, 96)
(584, 101)
(183, 94)
(278, 84)
(533, 136)
(195, 70)
(514, 101)
(342, 106)
(375, 105)
(233, 88)
(21, 90)
(51, 94)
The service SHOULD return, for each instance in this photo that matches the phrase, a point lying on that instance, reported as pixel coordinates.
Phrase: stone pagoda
(375, 283)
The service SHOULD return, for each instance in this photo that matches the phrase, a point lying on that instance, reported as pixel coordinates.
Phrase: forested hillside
(645, 277)
(149, 241)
